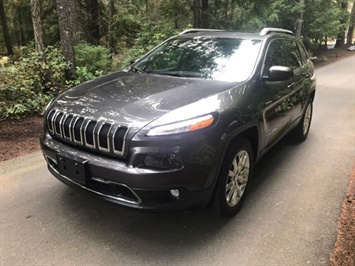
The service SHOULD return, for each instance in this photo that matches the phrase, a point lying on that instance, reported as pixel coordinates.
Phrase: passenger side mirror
(280, 73)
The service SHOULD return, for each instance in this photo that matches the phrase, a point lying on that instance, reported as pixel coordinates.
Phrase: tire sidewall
(220, 205)
(310, 119)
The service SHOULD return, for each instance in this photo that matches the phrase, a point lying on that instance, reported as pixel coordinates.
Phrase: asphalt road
(289, 217)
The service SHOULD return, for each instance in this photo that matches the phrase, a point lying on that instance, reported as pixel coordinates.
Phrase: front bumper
(117, 181)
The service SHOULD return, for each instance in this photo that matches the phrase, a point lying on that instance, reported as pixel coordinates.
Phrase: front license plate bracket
(73, 168)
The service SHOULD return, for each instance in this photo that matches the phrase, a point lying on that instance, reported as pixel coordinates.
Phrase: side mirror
(280, 73)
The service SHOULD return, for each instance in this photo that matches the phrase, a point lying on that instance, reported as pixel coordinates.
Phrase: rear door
(301, 81)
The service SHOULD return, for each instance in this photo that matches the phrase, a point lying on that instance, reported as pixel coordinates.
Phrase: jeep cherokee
(184, 125)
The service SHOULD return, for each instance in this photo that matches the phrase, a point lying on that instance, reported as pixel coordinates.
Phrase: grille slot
(66, 126)
(77, 130)
(118, 140)
(89, 134)
(101, 136)
(57, 121)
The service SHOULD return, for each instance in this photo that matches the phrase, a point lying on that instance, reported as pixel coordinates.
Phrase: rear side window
(275, 56)
(293, 54)
(303, 54)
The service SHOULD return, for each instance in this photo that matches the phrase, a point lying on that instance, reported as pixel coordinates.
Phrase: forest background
(48, 46)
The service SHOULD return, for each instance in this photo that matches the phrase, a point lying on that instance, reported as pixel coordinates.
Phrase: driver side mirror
(280, 73)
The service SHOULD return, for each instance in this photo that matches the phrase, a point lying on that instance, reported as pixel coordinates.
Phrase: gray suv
(184, 125)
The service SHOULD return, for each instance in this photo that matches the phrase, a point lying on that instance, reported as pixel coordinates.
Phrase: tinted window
(303, 54)
(293, 53)
(275, 56)
(224, 59)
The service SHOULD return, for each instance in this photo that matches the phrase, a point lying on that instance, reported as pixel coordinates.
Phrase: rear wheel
(234, 179)
(300, 133)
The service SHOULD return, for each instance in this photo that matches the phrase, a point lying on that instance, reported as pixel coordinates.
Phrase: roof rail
(197, 30)
(266, 31)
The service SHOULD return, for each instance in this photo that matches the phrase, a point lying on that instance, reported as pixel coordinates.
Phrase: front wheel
(300, 133)
(233, 180)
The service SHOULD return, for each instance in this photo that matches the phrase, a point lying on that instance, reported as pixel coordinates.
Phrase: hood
(135, 99)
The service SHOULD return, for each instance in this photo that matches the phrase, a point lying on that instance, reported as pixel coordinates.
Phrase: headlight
(183, 126)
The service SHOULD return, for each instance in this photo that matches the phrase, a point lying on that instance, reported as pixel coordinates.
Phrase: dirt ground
(21, 137)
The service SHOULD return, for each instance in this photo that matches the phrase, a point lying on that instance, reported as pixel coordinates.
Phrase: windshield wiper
(136, 70)
(176, 74)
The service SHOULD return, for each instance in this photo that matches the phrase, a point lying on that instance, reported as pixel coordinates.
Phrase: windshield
(224, 59)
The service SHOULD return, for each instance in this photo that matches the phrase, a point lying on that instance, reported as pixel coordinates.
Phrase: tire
(300, 133)
(233, 180)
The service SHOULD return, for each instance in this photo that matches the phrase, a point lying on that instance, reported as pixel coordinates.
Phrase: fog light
(175, 193)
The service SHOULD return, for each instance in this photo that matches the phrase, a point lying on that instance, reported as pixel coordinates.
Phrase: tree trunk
(37, 25)
(5, 29)
(341, 35)
(111, 11)
(350, 36)
(64, 11)
(299, 22)
(94, 25)
(204, 18)
(79, 32)
(197, 14)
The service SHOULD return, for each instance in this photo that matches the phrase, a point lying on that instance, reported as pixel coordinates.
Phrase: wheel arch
(252, 135)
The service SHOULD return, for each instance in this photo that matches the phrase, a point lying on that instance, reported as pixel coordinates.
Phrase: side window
(275, 56)
(303, 54)
(293, 54)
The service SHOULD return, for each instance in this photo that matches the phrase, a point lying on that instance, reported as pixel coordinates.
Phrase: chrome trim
(112, 130)
(50, 158)
(50, 121)
(99, 193)
(108, 137)
(63, 127)
(81, 133)
(123, 139)
(56, 112)
(98, 179)
(93, 134)
(60, 124)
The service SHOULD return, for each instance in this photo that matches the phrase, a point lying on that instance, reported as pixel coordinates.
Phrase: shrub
(28, 85)
(31, 82)
(94, 58)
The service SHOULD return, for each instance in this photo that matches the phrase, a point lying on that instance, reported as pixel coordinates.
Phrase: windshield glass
(223, 59)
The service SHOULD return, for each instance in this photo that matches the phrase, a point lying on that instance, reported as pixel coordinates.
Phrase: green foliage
(149, 37)
(96, 59)
(322, 19)
(31, 82)
(17, 102)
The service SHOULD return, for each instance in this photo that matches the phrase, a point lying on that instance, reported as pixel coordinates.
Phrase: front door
(277, 104)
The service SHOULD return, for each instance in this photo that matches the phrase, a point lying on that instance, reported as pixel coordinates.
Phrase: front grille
(102, 136)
